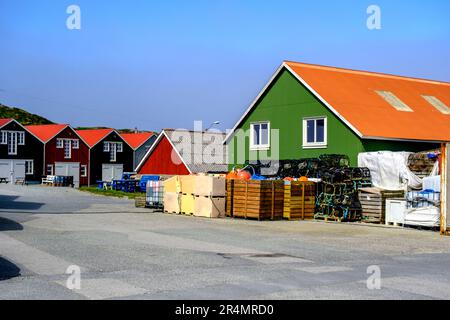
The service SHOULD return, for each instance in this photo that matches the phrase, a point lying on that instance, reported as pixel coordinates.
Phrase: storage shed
(21, 153)
(65, 152)
(140, 142)
(109, 154)
(182, 152)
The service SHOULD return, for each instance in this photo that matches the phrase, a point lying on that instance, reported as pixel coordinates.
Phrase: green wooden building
(308, 110)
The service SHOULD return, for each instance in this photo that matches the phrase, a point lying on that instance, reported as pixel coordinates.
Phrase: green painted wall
(285, 104)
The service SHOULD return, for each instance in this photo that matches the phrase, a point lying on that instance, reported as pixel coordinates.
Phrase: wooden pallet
(140, 202)
(373, 203)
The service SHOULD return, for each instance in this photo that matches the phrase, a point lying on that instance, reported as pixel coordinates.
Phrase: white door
(69, 169)
(12, 169)
(112, 172)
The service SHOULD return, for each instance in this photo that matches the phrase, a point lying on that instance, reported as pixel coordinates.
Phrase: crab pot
(261, 200)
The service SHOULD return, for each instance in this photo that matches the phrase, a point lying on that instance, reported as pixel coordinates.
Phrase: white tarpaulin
(425, 217)
(389, 170)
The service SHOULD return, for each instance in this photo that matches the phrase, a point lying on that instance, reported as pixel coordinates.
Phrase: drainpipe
(445, 195)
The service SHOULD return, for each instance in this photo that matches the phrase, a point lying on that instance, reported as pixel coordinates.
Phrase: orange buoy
(244, 175)
(288, 179)
(303, 179)
(232, 175)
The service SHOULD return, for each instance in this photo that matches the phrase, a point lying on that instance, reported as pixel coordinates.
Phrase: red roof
(353, 97)
(4, 121)
(46, 132)
(135, 140)
(93, 136)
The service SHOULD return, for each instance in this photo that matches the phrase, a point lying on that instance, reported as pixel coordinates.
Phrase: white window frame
(67, 142)
(106, 146)
(119, 147)
(75, 143)
(29, 172)
(21, 138)
(4, 137)
(83, 170)
(314, 145)
(113, 152)
(52, 170)
(254, 146)
(12, 146)
(59, 143)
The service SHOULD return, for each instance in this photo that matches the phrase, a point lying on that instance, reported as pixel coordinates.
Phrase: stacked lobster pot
(338, 193)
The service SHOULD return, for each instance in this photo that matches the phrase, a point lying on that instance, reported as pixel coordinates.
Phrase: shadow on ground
(9, 202)
(9, 225)
(8, 269)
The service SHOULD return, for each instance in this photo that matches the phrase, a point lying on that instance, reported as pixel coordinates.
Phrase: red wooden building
(65, 153)
(175, 152)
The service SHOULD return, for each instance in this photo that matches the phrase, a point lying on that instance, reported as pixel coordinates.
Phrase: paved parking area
(129, 253)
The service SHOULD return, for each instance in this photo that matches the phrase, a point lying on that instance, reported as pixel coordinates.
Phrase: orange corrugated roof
(93, 136)
(135, 140)
(352, 95)
(46, 132)
(4, 121)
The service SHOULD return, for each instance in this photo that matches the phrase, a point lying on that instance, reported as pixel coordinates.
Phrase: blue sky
(164, 64)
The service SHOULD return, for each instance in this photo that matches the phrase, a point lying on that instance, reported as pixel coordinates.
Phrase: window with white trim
(113, 152)
(12, 142)
(67, 149)
(315, 132)
(49, 170)
(260, 135)
(4, 137)
(83, 170)
(105, 146)
(59, 143)
(29, 167)
(75, 143)
(120, 147)
(21, 138)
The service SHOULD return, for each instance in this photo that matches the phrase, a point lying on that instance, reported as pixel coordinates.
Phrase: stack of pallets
(261, 200)
(373, 203)
(299, 200)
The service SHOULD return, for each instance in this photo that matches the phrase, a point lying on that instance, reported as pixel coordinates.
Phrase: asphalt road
(129, 253)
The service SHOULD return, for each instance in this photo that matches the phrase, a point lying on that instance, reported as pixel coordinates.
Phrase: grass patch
(112, 193)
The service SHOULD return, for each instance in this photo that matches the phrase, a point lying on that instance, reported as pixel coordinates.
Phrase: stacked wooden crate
(209, 193)
(229, 198)
(256, 199)
(172, 195)
(299, 200)
(373, 203)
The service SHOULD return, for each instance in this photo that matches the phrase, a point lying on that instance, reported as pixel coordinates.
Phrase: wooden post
(303, 201)
(445, 192)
